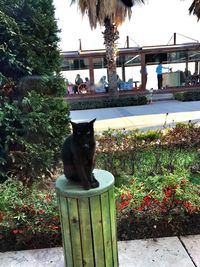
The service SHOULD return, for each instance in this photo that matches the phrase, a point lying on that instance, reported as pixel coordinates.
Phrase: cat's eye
(88, 133)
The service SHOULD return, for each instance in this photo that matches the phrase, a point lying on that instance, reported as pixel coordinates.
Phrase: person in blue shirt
(159, 71)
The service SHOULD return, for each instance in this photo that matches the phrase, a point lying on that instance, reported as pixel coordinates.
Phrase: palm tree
(195, 8)
(110, 14)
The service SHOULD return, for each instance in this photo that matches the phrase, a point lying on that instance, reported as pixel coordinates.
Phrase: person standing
(159, 71)
(145, 73)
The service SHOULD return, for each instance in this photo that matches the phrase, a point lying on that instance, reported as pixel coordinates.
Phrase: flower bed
(161, 206)
(157, 190)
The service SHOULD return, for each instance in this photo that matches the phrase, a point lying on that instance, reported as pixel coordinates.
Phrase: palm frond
(98, 10)
(195, 8)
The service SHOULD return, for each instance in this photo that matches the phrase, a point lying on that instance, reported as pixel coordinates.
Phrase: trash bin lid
(68, 188)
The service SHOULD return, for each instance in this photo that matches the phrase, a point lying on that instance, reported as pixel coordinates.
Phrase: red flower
(156, 201)
(164, 200)
(177, 201)
(167, 191)
(141, 208)
(41, 211)
(14, 232)
(125, 203)
(54, 227)
(123, 196)
(129, 196)
(188, 205)
(147, 200)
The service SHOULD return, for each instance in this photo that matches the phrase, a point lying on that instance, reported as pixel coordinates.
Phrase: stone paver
(192, 244)
(161, 252)
(33, 258)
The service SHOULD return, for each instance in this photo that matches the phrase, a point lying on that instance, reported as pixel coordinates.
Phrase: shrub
(32, 132)
(28, 215)
(43, 85)
(105, 103)
(164, 202)
(187, 96)
(148, 153)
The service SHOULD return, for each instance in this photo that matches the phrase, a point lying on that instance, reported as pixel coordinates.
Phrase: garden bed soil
(139, 229)
(127, 230)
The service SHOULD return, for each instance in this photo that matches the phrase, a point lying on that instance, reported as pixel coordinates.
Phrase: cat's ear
(92, 121)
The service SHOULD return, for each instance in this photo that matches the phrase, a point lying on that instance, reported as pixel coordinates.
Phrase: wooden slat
(97, 231)
(86, 232)
(75, 232)
(113, 227)
(65, 231)
(106, 220)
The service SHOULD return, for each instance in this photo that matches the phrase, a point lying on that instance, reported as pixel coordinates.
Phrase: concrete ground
(160, 252)
(141, 117)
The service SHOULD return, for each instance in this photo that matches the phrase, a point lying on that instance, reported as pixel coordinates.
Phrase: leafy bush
(32, 132)
(187, 96)
(43, 85)
(164, 202)
(27, 215)
(121, 151)
(105, 103)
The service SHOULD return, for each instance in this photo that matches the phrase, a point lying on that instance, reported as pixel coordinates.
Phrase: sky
(151, 24)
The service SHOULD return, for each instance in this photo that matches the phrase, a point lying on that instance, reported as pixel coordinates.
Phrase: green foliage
(188, 96)
(24, 204)
(166, 202)
(158, 152)
(28, 216)
(105, 103)
(166, 191)
(11, 63)
(29, 41)
(33, 124)
(43, 85)
(32, 132)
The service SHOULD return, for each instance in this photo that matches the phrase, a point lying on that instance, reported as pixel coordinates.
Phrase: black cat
(78, 154)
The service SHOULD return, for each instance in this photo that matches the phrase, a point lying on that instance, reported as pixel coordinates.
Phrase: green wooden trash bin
(88, 222)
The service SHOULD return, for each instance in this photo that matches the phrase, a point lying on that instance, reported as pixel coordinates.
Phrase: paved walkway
(161, 252)
(141, 117)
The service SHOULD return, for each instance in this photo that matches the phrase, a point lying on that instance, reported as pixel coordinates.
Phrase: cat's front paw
(87, 186)
(94, 183)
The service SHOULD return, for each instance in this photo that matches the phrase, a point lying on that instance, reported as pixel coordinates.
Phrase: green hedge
(106, 103)
(187, 96)
(31, 134)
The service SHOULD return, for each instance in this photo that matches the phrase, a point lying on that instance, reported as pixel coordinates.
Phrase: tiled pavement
(161, 252)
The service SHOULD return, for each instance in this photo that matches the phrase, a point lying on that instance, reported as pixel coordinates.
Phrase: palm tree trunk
(111, 35)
